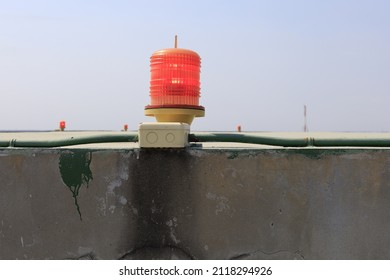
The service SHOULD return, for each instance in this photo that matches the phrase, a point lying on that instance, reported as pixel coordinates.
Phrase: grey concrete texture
(195, 203)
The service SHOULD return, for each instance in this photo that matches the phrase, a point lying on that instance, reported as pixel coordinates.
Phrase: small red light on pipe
(62, 125)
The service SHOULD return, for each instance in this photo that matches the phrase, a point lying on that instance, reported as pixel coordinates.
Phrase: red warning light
(62, 125)
(175, 78)
(174, 84)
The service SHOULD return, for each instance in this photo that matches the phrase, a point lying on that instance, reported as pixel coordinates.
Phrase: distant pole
(305, 118)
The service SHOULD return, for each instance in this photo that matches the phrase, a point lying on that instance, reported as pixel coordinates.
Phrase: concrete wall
(195, 203)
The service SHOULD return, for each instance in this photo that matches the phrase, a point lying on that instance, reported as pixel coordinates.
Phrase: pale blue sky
(87, 62)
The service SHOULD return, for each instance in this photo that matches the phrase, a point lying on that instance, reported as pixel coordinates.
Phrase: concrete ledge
(195, 203)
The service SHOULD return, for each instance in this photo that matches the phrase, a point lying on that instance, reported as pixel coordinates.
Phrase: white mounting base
(163, 135)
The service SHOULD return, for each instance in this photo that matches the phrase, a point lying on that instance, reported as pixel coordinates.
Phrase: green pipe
(73, 140)
(355, 142)
(250, 139)
(291, 142)
(301, 141)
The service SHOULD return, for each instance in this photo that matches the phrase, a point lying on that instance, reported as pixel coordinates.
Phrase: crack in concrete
(160, 252)
(249, 254)
(88, 256)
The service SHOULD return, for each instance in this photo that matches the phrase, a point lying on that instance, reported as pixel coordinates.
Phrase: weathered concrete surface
(195, 203)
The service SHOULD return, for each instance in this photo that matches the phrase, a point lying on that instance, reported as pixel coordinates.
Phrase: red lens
(62, 125)
(175, 77)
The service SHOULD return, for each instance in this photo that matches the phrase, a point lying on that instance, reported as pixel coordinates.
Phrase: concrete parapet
(194, 203)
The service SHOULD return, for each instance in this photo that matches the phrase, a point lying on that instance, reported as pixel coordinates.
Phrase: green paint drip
(75, 172)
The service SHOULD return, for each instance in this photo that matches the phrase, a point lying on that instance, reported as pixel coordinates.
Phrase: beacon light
(175, 86)
(62, 125)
